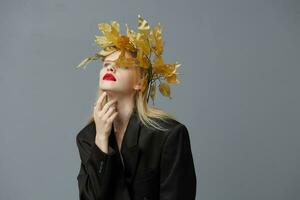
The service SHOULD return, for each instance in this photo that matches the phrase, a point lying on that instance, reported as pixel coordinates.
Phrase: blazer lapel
(130, 149)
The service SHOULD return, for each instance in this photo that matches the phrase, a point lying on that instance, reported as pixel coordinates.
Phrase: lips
(109, 77)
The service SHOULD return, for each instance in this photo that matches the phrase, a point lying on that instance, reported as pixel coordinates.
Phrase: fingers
(111, 110)
(112, 117)
(104, 109)
(108, 105)
(105, 98)
(99, 102)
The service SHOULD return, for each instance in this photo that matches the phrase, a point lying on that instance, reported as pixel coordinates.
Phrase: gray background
(239, 92)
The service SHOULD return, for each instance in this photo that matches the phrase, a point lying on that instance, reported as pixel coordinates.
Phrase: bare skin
(104, 117)
(116, 101)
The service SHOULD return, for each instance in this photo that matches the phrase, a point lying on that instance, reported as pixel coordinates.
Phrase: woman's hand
(104, 117)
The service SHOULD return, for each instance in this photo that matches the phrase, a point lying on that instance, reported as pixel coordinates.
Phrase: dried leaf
(156, 40)
(86, 61)
(164, 89)
(172, 79)
(143, 26)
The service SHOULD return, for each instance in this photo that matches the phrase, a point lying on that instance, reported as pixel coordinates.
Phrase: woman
(128, 150)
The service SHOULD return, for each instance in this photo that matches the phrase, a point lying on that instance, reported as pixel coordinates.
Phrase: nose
(111, 67)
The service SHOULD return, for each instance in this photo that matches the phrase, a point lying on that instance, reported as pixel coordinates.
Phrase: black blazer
(152, 165)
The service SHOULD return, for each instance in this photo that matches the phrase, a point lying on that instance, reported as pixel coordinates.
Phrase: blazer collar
(129, 149)
(131, 135)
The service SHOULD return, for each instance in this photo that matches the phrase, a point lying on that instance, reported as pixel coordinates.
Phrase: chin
(107, 85)
(109, 89)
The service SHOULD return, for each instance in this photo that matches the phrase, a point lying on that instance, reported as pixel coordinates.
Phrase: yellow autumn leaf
(113, 28)
(142, 43)
(131, 34)
(108, 50)
(158, 65)
(123, 43)
(169, 69)
(126, 62)
(143, 26)
(172, 79)
(102, 41)
(104, 27)
(142, 59)
(116, 26)
(110, 31)
(86, 61)
(156, 40)
(164, 89)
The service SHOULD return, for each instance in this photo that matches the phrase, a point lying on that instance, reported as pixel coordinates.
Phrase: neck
(125, 107)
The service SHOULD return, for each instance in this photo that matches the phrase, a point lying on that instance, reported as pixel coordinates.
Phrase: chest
(137, 168)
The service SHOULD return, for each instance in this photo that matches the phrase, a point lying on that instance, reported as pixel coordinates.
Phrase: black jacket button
(101, 167)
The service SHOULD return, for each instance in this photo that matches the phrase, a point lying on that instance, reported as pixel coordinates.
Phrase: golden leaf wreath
(148, 46)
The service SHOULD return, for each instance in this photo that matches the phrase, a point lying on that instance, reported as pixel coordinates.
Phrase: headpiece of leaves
(148, 46)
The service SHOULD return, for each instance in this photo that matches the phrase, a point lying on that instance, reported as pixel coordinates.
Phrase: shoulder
(87, 133)
(172, 125)
(177, 133)
(178, 128)
(174, 128)
(177, 140)
(85, 139)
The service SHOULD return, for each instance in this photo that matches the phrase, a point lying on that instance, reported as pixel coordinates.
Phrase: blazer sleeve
(178, 177)
(95, 170)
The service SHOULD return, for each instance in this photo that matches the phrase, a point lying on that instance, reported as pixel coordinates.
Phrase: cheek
(132, 77)
(126, 79)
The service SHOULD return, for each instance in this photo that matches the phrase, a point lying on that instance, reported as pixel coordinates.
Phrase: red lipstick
(109, 77)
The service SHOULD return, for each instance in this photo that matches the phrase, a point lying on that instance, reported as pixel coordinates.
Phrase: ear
(139, 80)
(138, 85)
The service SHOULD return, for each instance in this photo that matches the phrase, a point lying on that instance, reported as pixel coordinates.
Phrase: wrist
(102, 138)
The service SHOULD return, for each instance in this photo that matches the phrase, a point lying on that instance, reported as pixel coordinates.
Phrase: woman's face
(121, 80)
